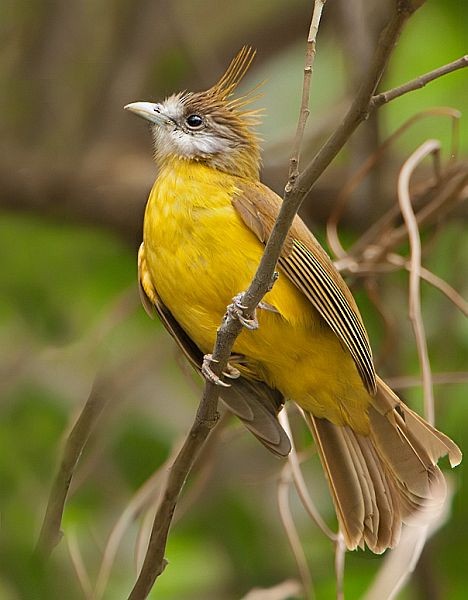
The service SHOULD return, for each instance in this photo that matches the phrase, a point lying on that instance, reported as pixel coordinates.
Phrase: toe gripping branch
(208, 373)
(236, 310)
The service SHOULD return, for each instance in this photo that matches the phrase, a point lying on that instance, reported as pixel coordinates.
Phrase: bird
(206, 223)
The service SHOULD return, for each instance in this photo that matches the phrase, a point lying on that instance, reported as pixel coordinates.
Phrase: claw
(208, 373)
(231, 372)
(236, 309)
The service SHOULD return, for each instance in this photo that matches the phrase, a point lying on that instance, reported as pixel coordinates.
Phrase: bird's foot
(208, 373)
(236, 310)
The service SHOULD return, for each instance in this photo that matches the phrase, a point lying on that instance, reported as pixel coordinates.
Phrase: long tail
(379, 481)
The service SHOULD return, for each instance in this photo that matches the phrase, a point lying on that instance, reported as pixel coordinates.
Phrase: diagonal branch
(50, 532)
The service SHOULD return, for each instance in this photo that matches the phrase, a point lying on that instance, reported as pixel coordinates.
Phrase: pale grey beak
(149, 111)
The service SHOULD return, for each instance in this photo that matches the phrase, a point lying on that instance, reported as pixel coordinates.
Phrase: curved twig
(415, 316)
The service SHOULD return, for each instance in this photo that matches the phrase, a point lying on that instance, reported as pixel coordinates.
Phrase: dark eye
(194, 121)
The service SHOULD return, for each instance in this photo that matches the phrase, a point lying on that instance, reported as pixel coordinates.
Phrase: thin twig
(418, 83)
(291, 532)
(434, 280)
(340, 555)
(305, 111)
(408, 381)
(50, 532)
(143, 495)
(299, 482)
(78, 565)
(344, 194)
(360, 108)
(415, 260)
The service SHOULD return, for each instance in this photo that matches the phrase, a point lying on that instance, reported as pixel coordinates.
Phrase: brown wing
(308, 266)
(256, 404)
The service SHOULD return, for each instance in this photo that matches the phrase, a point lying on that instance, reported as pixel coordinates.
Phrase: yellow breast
(200, 254)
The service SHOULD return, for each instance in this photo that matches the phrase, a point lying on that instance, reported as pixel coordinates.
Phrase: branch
(429, 147)
(291, 532)
(50, 532)
(418, 83)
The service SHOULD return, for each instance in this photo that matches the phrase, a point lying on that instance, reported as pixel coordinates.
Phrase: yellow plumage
(206, 223)
(200, 254)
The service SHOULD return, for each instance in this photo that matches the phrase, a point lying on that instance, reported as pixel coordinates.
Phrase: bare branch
(50, 532)
(418, 83)
(340, 554)
(359, 109)
(434, 280)
(304, 111)
(78, 565)
(415, 316)
(300, 483)
(344, 194)
(291, 532)
(409, 381)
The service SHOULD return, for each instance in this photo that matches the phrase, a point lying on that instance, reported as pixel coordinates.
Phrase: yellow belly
(200, 254)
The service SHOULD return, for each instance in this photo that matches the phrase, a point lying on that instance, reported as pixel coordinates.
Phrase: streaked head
(209, 126)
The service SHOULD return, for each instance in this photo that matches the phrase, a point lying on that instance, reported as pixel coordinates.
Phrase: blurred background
(75, 172)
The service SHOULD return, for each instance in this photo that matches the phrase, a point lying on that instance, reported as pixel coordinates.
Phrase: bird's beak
(149, 111)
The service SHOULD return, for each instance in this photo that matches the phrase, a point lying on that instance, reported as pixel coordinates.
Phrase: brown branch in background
(340, 555)
(435, 281)
(384, 236)
(291, 532)
(408, 381)
(207, 415)
(354, 181)
(299, 482)
(50, 532)
(76, 558)
(415, 316)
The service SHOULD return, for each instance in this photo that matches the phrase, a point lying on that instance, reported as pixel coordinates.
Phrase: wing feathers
(307, 265)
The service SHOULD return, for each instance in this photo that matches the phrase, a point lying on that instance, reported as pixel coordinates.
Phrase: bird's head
(209, 127)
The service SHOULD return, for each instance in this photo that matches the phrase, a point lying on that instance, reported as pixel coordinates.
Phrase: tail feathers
(379, 481)
(434, 443)
(366, 501)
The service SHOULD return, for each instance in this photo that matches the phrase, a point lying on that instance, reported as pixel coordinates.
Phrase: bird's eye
(194, 121)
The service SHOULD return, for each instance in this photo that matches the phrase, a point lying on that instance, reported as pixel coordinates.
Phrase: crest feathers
(234, 73)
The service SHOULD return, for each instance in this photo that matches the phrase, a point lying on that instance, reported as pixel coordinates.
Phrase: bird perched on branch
(206, 223)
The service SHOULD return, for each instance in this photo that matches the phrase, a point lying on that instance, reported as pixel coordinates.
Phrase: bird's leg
(236, 310)
(207, 372)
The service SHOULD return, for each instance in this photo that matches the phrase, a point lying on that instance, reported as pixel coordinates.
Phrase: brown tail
(381, 480)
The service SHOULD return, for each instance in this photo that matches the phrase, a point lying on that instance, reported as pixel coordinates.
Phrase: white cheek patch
(201, 143)
(190, 145)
